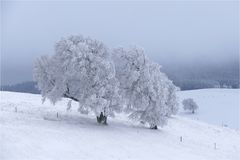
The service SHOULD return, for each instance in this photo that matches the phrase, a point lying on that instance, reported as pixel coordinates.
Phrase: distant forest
(186, 78)
(199, 76)
(27, 87)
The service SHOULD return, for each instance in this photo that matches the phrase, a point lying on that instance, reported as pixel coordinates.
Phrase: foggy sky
(170, 32)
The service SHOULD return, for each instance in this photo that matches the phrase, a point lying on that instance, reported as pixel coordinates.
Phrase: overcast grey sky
(171, 32)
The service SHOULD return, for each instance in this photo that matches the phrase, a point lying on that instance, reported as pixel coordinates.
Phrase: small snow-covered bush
(189, 104)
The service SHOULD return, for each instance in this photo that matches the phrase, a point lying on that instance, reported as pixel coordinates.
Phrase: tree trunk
(192, 111)
(105, 120)
(98, 119)
(102, 119)
(153, 126)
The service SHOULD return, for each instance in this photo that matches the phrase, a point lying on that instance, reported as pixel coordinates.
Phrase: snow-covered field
(216, 106)
(32, 130)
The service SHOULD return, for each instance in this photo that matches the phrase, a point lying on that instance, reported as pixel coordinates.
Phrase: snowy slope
(216, 106)
(31, 130)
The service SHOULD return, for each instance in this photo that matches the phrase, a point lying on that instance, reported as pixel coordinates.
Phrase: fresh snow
(32, 130)
(216, 106)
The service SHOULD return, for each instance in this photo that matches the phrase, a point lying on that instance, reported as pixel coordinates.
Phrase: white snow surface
(216, 106)
(30, 130)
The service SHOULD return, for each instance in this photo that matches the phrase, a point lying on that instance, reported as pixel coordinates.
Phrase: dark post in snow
(57, 114)
(15, 109)
(181, 139)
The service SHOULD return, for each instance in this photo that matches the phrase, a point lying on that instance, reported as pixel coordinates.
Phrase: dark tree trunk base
(102, 119)
(105, 120)
(153, 127)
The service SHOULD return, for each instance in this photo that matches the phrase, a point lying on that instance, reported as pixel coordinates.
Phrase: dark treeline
(185, 77)
(200, 76)
(27, 87)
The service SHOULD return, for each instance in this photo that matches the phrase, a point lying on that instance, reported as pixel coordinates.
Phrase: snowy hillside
(216, 106)
(32, 130)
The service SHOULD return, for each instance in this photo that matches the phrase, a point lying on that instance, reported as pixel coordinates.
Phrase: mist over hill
(204, 75)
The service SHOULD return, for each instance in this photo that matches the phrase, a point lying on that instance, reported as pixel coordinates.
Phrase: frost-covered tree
(155, 92)
(172, 101)
(130, 65)
(148, 93)
(189, 104)
(81, 70)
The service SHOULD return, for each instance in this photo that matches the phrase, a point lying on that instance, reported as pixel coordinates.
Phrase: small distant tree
(189, 104)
